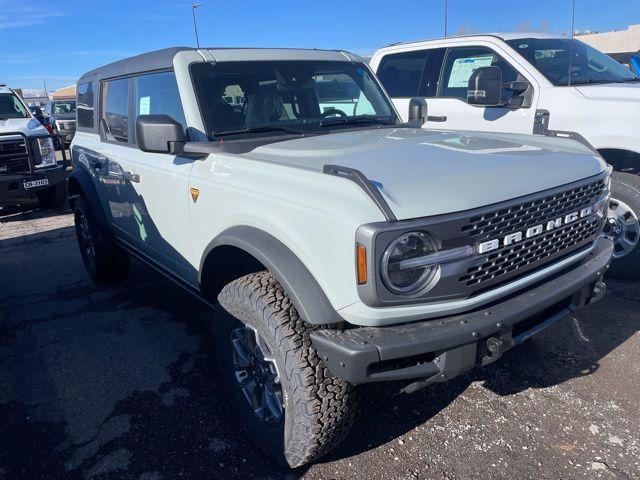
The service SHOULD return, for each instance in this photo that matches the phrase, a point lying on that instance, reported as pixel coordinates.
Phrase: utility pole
(195, 27)
(446, 12)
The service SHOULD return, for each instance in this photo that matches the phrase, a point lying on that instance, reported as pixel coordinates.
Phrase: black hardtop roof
(163, 59)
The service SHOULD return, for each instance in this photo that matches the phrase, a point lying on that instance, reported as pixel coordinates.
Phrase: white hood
(423, 173)
(29, 126)
(627, 92)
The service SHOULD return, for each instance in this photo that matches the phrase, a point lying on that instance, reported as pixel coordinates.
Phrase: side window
(85, 105)
(400, 73)
(158, 93)
(462, 62)
(115, 110)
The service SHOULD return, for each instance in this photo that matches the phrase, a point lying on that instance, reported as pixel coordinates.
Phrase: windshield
(61, 108)
(12, 107)
(555, 56)
(288, 96)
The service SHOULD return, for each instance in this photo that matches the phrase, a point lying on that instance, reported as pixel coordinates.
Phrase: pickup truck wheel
(53, 196)
(105, 261)
(283, 394)
(623, 225)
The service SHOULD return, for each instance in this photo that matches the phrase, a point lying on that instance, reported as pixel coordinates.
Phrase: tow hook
(495, 349)
(599, 290)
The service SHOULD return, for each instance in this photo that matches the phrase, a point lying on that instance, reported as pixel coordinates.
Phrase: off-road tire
(54, 196)
(107, 263)
(626, 187)
(318, 407)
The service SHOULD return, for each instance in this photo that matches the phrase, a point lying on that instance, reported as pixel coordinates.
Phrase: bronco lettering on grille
(536, 230)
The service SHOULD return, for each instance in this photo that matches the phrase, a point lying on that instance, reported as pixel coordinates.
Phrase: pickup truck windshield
(554, 57)
(288, 97)
(62, 108)
(11, 107)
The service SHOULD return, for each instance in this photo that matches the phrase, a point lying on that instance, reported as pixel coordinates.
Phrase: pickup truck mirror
(418, 111)
(155, 133)
(485, 87)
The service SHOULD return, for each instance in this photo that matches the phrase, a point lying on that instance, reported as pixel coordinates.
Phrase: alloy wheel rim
(87, 240)
(623, 227)
(256, 374)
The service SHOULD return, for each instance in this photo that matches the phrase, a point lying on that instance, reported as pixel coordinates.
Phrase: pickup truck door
(149, 192)
(450, 110)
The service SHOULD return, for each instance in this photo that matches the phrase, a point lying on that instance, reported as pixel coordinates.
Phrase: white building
(620, 44)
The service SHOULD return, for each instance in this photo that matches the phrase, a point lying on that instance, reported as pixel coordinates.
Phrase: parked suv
(28, 162)
(61, 115)
(338, 245)
(549, 85)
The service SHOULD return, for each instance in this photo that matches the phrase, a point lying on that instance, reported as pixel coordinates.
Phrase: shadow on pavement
(121, 382)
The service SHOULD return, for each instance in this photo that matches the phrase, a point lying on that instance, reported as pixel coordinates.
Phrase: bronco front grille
(14, 157)
(534, 252)
(501, 222)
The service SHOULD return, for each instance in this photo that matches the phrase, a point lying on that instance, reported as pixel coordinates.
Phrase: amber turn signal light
(361, 256)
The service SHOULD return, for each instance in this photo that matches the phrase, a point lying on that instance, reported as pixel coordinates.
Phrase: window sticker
(145, 106)
(463, 68)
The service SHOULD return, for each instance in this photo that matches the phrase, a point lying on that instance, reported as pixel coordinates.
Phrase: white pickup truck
(542, 84)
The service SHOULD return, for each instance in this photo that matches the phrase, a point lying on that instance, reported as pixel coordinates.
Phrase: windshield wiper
(356, 120)
(259, 129)
(633, 79)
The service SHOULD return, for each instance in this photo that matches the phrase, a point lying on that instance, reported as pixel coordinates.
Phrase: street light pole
(195, 27)
(446, 12)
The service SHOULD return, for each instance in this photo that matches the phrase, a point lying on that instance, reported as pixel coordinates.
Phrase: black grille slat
(535, 251)
(505, 221)
(14, 157)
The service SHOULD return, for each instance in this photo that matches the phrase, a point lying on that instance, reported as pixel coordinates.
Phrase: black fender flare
(81, 183)
(312, 304)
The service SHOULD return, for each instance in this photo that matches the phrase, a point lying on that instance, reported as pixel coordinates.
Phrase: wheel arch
(81, 184)
(241, 250)
(626, 161)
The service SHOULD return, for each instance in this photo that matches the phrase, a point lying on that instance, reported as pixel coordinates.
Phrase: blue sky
(60, 40)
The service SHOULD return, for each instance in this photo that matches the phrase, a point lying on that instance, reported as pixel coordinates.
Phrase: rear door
(408, 75)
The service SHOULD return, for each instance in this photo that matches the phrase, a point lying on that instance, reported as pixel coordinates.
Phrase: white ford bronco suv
(547, 85)
(28, 163)
(337, 244)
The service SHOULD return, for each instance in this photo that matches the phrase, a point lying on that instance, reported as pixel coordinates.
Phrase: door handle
(131, 177)
(95, 163)
(436, 118)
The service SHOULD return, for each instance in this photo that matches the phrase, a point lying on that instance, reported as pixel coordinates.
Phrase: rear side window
(462, 62)
(157, 93)
(115, 110)
(400, 73)
(85, 105)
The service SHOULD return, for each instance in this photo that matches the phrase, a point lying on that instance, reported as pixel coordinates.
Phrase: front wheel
(623, 225)
(284, 395)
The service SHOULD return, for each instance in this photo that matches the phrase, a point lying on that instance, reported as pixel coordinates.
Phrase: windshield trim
(318, 130)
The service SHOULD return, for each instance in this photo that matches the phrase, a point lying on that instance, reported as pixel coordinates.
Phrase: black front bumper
(12, 186)
(440, 349)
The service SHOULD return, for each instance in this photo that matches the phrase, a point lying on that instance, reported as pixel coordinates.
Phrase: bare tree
(524, 27)
(464, 30)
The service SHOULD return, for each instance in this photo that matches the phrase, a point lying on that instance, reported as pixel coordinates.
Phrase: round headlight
(405, 279)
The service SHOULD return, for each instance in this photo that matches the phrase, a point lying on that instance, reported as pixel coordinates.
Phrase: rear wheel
(284, 395)
(623, 225)
(105, 261)
(54, 196)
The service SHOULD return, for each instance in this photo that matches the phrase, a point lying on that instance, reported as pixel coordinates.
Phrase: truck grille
(14, 157)
(536, 251)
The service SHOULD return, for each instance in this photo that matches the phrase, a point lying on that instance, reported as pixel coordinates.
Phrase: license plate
(36, 183)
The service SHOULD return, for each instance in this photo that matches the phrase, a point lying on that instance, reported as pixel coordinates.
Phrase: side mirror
(418, 111)
(485, 87)
(156, 133)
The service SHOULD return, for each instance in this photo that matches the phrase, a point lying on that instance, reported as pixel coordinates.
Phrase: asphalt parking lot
(120, 383)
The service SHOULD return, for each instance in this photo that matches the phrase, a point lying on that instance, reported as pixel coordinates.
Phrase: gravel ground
(120, 383)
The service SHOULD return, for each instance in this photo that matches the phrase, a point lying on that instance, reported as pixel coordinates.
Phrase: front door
(450, 109)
